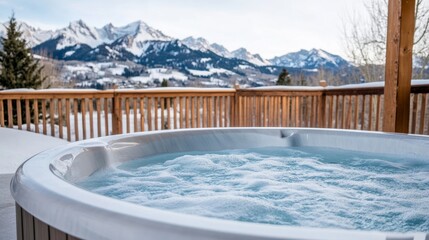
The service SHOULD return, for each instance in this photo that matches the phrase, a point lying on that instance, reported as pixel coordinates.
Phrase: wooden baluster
(36, 115)
(156, 107)
(313, 112)
(297, 112)
(193, 117)
(370, 114)
(106, 116)
(321, 110)
(331, 111)
(308, 116)
(210, 111)
(76, 119)
(198, 106)
(290, 103)
(162, 103)
(204, 120)
(2, 124)
(276, 111)
(292, 112)
(60, 117)
(135, 112)
(149, 114)
(349, 112)
(220, 98)
(83, 110)
(187, 112)
(68, 118)
(181, 112)
(422, 114)
(242, 112)
(256, 112)
(232, 111)
(19, 113)
(141, 105)
(175, 112)
(2, 113)
(98, 106)
(356, 112)
(377, 119)
(51, 115)
(91, 117)
(337, 111)
(168, 112)
(45, 131)
(362, 127)
(415, 97)
(215, 111)
(9, 113)
(27, 114)
(127, 114)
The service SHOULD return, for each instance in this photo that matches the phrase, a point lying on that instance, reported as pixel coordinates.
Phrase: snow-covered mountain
(78, 41)
(201, 44)
(221, 50)
(141, 44)
(32, 35)
(77, 32)
(256, 59)
(134, 37)
(313, 59)
(131, 36)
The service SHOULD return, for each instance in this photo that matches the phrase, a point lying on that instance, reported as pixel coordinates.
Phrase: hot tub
(51, 206)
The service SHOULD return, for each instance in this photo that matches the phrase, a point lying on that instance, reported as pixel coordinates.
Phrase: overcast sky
(269, 27)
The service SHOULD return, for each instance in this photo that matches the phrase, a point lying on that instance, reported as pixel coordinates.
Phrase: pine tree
(284, 78)
(18, 67)
(164, 83)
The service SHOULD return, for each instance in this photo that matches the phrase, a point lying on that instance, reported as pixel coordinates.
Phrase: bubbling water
(299, 186)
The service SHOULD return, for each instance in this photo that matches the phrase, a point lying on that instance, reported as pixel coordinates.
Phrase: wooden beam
(400, 37)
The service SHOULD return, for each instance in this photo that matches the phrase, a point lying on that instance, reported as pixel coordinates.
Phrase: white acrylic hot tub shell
(43, 185)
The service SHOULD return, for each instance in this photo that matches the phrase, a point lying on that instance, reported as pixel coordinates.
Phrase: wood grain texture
(398, 69)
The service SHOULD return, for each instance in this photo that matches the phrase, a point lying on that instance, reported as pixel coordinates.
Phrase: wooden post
(400, 37)
(116, 114)
(323, 83)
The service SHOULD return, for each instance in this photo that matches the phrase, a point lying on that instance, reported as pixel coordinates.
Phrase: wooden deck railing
(81, 114)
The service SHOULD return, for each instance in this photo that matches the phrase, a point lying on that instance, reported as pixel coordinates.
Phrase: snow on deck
(16, 146)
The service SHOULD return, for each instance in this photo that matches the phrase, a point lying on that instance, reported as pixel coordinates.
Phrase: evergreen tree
(18, 67)
(284, 78)
(164, 83)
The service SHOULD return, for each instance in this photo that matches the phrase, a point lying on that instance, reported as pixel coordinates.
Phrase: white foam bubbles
(303, 186)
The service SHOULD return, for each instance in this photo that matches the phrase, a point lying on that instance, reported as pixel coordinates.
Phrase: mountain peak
(240, 50)
(310, 59)
(199, 43)
(109, 26)
(78, 24)
(244, 54)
